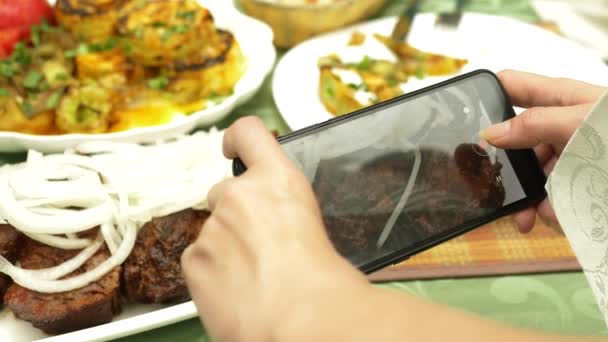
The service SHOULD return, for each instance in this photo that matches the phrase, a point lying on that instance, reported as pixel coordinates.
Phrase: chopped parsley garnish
(35, 35)
(83, 49)
(188, 15)
(365, 63)
(32, 79)
(21, 55)
(53, 100)
(420, 73)
(27, 108)
(6, 69)
(4, 92)
(62, 76)
(391, 82)
(160, 82)
(361, 86)
(158, 24)
(44, 26)
(139, 31)
(174, 29)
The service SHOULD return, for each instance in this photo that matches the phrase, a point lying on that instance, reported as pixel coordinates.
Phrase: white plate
(488, 42)
(135, 318)
(255, 39)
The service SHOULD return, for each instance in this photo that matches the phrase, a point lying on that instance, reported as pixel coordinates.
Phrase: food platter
(487, 42)
(255, 39)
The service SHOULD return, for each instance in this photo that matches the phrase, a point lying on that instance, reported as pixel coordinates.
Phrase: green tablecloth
(551, 302)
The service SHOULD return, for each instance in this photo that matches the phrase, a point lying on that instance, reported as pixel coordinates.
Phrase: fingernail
(495, 131)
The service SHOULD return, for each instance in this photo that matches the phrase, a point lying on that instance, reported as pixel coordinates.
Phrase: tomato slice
(9, 37)
(18, 13)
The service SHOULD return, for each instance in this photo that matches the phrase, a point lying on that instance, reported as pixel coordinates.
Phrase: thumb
(548, 125)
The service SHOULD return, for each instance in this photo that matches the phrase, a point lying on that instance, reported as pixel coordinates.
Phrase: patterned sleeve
(578, 192)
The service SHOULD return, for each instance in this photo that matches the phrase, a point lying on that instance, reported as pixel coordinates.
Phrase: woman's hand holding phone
(263, 260)
(555, 109)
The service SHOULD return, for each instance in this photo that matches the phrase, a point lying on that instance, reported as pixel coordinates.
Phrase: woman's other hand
(555, 109)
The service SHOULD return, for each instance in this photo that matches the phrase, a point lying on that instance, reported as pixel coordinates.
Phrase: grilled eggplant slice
(160, 32)
(93, 21)
(209, 74)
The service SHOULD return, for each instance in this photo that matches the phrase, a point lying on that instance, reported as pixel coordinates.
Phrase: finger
(549, 125)
(249, 140)
(215, 193)
(543, 152)
(549, 165)
(545, 211)
(532, 90)
(525, 219)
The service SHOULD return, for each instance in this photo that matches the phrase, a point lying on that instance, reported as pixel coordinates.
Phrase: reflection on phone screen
(398, 177)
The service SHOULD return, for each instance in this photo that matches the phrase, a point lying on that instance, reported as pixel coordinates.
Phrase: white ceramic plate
(255, 39)
(135, 318)
(488, 42)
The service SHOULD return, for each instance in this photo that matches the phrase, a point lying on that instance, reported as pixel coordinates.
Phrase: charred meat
(58, 313)
(152, 273)
(9, 242)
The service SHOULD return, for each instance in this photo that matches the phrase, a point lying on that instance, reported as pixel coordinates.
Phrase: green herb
(166, 35)
(27, 108)
(139, 31)
(44, 26)
(361, 86)
(104, 46)
(391, 82)
(174, 29)
(53, 100)
(6, 69)
(158, 24)
(365, 63)
(32, 79)
(160, 82)
(420, 73)
(188, 15)
(329, 91)
(35, 35)
(419, 56)
(62, 76)
(81, 49)
(21, 55)
(44, 86)
(4, 92)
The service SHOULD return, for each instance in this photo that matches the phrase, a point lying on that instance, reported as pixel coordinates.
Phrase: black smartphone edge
(524, 162)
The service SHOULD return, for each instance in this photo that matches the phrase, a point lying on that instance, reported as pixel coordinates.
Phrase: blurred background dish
(294, 21)
(485, 41)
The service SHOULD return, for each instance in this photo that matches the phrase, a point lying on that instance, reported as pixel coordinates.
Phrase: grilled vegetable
(13, 118)
(93, 21)
(160, 32)
(209, 76)
(85, 109)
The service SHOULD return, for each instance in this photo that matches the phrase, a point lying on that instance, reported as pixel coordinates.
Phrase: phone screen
(397, 178)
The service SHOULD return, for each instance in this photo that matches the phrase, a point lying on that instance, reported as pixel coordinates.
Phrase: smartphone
(404, 175)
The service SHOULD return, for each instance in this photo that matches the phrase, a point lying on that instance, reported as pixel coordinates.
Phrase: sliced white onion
(60, 242)
(53, 286)
(55, 272)
(117, 187)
